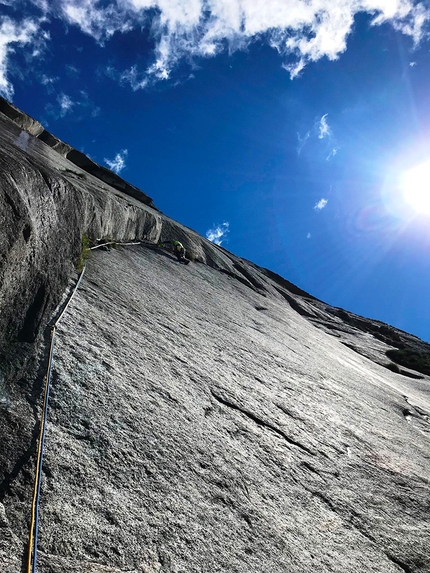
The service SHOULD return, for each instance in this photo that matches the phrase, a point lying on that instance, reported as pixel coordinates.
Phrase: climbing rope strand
(36, 491)
(70, 297)
(34, 525)
(113, 243)
(38, 479)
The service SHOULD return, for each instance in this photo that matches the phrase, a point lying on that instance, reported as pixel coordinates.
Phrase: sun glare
(416, 187)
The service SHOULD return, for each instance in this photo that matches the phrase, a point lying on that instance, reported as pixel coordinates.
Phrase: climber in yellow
(178, 250)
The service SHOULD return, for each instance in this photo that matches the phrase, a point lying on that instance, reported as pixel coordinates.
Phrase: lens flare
(416, 187)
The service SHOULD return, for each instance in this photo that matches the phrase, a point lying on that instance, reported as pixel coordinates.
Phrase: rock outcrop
(203, 418)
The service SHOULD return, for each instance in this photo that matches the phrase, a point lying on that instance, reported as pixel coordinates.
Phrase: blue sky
(296, 134)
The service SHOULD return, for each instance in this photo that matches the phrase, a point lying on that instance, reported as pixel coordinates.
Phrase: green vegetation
(388, 335)
(85, 253)
(110, 243)
(413, 359)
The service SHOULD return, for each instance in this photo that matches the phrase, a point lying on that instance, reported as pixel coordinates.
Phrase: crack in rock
(311, 469)
(348, 520)
(399, 563)
(262, 423)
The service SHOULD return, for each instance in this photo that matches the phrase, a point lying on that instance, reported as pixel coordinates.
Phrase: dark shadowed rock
(207, 418)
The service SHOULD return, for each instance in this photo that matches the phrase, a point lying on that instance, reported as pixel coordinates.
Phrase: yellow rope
(39, 452)
(114, 243)
(32, 542)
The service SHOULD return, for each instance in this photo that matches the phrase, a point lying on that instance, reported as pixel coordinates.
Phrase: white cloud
(308, 236)
(72, 71)
(323, 127)
(65, 102)
(12, 35)
(81, 105)
(47, 81)
(219, 233)
(41, 4)
(332, 153)
(301, 31)
(99, 22)
(302, 141)
(118, 163)
(322, 130)
(321, 204)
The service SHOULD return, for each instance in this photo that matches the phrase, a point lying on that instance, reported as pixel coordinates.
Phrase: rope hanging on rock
(114, 243)
(34, 524)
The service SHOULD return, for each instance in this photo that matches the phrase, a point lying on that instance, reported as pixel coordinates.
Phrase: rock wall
(33, 127)
(47, 204)
(213, 417)
(196, 425)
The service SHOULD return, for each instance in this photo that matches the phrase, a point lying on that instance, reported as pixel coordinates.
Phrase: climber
(178, 250)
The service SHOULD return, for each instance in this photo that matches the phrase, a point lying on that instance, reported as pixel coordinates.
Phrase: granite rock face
(203, 418)
(33, 127)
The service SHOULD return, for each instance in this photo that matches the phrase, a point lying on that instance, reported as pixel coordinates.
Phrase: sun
(416, 187)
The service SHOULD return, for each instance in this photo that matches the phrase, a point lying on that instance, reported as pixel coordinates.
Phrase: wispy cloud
(219, 233)
(81, 105)
(302, 31)
(62, 108)
(321, 204)
(66, 104)
(15, 34)
(323, 127)
(322, 130)
(332, 153)
(302, 141)
(72, 71)
(47, 80)
(117, 164)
